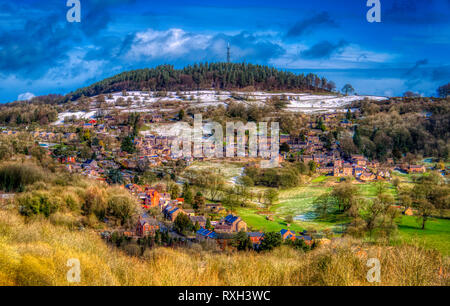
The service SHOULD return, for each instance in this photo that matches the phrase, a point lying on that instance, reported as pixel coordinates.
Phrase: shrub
(122, 206)
(15, 176)
(39, 202)
(95, 202)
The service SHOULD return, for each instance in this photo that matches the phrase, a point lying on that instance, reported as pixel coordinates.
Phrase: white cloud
(173, 43)
(25, 96)
(356, 54)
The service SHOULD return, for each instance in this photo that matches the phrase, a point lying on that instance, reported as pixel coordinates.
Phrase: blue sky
(42, 53)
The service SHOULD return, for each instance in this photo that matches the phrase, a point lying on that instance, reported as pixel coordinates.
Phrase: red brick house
(146, 226)
(152, 198)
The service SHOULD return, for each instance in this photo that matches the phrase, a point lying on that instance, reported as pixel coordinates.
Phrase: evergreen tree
(187, 194)
(127, 145)
(357, 137)
(271, 240)
(242, 242)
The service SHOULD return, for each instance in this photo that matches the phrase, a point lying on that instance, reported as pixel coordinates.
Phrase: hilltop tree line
(206, 76)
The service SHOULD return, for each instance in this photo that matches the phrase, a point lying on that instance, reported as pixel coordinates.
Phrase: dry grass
(35, 252)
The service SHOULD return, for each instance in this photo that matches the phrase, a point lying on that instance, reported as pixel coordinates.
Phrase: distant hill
(226, 76)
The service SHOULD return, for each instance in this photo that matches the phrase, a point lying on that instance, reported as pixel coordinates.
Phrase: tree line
(206, 76)
(401, 126)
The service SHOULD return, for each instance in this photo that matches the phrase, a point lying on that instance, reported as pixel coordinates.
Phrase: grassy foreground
(35, 252)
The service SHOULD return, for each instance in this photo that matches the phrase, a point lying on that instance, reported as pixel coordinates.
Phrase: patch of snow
(78, 115)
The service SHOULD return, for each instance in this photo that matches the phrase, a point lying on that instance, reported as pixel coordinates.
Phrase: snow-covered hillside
(137, 101)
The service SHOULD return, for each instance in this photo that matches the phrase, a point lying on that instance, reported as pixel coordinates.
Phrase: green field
(298, 202)
(320, 179)
(260, 223)
(435, 236)
(369, 190)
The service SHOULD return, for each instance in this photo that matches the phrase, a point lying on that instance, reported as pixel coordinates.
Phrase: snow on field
(78, 115)
(298, 102)
(165, 129)
(322, 104)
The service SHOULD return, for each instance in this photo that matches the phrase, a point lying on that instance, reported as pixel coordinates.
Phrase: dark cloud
(308, 25)
(41, 44)
(324, 49)
(45, 38)
(96, 15)
(441, 74)
(416, 12)
(110, 47)
(420, 73)
(416, 66)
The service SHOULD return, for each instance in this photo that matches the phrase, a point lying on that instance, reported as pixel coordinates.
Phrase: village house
(287, 234)
(359, 160)
(67, 159)
(205, 234)
(415, 169)
(325, 170)
(200, 220)
(358, 171)
(190, 213)
(214, 207)
(171, 212)
(367, 177)
(346, 170)
(383, 174)
(151, 199)
(338, 163)
(409, 211)
(306, 238)
(256, 238)
(231, 224)
(164, 199)
(146, 226)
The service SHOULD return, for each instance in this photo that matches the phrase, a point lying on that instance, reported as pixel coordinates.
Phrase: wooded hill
(220, 76)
